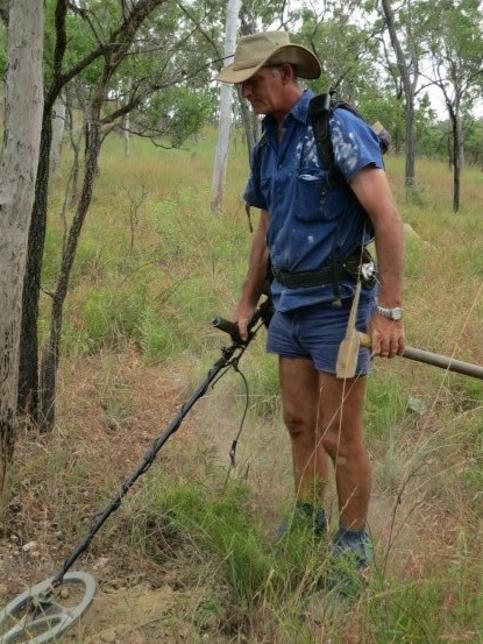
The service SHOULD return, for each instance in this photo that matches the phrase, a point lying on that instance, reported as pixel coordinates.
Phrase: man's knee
(339, 444)
(298, 423)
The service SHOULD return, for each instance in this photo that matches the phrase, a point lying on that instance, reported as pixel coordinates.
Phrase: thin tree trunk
(57, 133)
(408, 93)
(249, 119)
(51, 350)
(410, 141)
(28, 383)
(27, 397)
(126, 134)
(457, 144)
(18, 168)
(250, 125)
(226, 98)
(126, 125)
(75, 144)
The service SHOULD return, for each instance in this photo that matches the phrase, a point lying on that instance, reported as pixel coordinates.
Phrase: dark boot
(355, 545)
(304, 516)
(351, 552)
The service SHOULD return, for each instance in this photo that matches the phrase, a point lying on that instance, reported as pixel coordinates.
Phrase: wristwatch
(391, 314)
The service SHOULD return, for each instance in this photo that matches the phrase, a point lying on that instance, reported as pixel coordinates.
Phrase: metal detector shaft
(143, 466)
(230, 355)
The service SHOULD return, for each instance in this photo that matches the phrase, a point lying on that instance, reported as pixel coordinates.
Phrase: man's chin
(259, 109)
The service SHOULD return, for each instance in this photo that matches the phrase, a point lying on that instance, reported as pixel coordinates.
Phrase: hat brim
(305, 62)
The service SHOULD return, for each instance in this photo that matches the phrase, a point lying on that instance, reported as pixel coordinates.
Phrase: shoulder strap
(320, 109)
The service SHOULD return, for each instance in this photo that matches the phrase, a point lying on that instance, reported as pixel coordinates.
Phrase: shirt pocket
(312, 200)
(310, 195)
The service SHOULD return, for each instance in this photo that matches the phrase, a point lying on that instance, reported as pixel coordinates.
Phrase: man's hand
(387, 336)
(242, 316)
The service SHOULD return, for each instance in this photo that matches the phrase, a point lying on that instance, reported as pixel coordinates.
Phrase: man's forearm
(373, 191)
(257, 265)
(390, 258)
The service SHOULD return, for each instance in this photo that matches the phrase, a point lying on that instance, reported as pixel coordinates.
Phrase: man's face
(264, 90)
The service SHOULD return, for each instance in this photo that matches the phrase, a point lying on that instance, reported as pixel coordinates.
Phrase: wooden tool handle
(434, 359)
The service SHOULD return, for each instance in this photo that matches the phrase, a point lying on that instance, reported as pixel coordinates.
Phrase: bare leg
(341, 434)
(300, 398)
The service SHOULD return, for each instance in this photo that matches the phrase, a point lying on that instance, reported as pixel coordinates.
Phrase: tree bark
(250, 125)
(226, 98)
(58, 126)
(249, 119)
(410, 171)
(126, 124)
(409, 88)
(18, 166)
(51, 350)
(27, 398)
(457, 154)
(28, 364)
(75, 145)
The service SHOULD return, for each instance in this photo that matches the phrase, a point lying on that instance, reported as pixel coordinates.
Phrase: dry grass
(116, 394)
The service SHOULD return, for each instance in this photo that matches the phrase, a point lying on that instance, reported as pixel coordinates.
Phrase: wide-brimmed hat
(269, 48)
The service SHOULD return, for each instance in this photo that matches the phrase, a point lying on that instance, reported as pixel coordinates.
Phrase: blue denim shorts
(315, 332)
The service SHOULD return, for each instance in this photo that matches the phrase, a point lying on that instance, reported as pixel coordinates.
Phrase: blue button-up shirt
(310, 217)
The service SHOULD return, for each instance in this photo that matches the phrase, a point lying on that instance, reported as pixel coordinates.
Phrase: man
(311, 221)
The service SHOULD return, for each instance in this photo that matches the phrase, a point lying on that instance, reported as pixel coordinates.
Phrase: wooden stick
(434, 359)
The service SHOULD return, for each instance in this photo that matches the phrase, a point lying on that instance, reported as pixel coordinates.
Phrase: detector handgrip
(228, 327)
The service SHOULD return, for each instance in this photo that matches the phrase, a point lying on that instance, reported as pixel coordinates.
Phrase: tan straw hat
(268, 48)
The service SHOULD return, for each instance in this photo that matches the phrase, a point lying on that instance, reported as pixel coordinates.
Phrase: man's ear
(287, 73)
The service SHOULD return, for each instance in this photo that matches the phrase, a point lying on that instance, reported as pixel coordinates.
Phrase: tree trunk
(410, 141)
(126, 134)
(75, 145)
(57, 133)
(226, 97)
(28, 383)
(408, 93)
(51, 350)
(250, 125)
(457, 145)
(24, 101)
(126, 124)
(249, 119)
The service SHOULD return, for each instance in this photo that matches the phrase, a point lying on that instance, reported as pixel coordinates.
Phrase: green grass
(144, 312)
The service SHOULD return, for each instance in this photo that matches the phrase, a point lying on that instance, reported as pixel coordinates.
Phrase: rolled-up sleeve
(355, 144)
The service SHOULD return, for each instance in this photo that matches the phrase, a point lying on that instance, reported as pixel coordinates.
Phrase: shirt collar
(299, 111)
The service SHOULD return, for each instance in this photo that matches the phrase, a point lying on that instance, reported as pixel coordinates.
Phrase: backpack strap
(320, 109)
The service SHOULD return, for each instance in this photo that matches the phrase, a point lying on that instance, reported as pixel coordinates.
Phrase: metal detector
(41, 613)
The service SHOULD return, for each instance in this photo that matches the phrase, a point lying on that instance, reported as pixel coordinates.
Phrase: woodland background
(128, 251)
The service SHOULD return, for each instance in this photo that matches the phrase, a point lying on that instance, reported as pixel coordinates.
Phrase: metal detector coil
(37, 615)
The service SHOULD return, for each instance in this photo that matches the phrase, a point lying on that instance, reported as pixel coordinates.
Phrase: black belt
(305, 279)
(330, 273)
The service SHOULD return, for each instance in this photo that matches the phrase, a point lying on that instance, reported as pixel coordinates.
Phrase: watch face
(396, 314)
